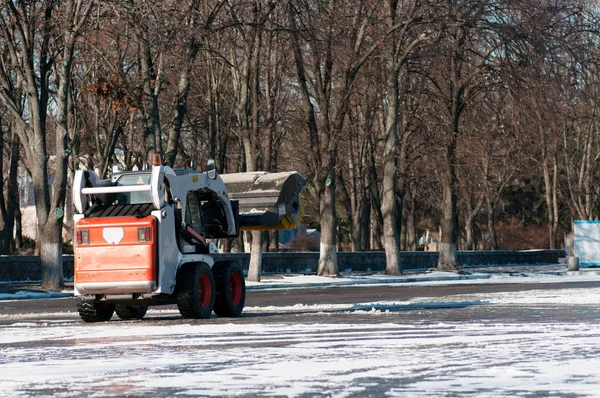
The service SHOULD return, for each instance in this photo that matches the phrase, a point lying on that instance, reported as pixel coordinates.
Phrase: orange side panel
(125, 261)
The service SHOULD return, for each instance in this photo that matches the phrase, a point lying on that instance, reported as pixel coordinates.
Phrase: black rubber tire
(231, 288)
(95, 311)
(127, 312)
(195, 291)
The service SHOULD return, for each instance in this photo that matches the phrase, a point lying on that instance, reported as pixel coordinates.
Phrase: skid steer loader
(142, 238)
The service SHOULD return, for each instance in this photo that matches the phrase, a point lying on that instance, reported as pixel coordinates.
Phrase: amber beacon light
(155, 159)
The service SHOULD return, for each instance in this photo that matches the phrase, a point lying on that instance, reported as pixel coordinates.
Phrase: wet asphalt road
(65, 308)
(442, 341)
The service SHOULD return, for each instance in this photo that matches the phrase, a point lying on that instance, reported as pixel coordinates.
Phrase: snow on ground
(486, 275)
(313, 356)
(371, 348)
(32, 295)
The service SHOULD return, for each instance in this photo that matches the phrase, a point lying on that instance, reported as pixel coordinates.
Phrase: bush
(28, 242)
(29, 246)
(67, 248)
(303, 242)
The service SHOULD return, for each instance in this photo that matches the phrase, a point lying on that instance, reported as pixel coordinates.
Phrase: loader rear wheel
(127, 312)
(195, 291)
(231, 288)
(94, 311)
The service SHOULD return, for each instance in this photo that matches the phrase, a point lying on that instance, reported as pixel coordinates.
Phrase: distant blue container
(587, 242)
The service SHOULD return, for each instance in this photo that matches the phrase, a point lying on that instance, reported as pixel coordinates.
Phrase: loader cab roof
(117, 176)
(181, 172)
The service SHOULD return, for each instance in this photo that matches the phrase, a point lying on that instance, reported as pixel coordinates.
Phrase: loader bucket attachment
(267, 201)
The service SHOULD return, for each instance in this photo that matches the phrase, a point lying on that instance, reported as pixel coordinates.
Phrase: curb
(12, 289)
(353, 281)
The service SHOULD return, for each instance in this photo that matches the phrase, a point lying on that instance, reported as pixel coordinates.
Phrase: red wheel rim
(205, 290)
(235, 287)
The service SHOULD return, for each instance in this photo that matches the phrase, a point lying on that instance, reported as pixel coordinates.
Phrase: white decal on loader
(113, 235)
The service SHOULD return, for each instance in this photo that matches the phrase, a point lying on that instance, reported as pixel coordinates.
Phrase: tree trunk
(274, 244)
(51, 254)
(376, 229)
(491, 223)
(51, 239)
(18, 228)
(411, 225)
(35, 72)
(471, 212)
(469, 232)
(549, 197)
(5, 230)
(250, 85)
(365, 221)
(447, 257)
(389, 207)
(394, 151)
(402, 230)
(240, 243)
(326, 189)
(356, 231)
(255, 267)
(328, 251)
(9, 203)
(347, 201)
(554, 231)
(355, 203)
(266, 241)
(377, 216)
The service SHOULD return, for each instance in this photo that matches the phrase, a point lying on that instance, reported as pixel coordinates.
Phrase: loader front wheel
(127, 312)
(231, 288)
(94, 311)
(195, 291)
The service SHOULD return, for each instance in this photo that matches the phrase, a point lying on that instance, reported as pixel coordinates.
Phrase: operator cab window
(130, 198)
(137, 204)
(193, 214)
(191, 235)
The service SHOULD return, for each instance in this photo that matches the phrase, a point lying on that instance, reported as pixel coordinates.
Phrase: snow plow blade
(267, 201)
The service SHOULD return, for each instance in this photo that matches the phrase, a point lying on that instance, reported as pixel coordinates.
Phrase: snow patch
(33, 295)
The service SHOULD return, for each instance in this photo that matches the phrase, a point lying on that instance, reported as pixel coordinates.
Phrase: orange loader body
(114, 259)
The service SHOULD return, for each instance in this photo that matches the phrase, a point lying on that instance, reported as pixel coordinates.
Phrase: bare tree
(29, 33)
(342, 62)
(9, 149)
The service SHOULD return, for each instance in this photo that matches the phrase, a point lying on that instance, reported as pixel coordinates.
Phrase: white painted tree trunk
(447, 260)
(51, 257)
(328, 254)
(328, 265)
(255, 267)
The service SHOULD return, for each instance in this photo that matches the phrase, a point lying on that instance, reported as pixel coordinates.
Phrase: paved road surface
(457, 340)
(334, 295)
